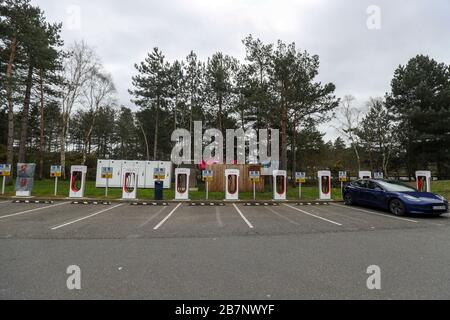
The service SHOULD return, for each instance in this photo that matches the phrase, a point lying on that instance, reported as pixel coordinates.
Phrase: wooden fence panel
(245, 185)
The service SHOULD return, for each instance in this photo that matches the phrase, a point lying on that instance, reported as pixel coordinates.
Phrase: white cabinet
(145, 173)
(116, 181)
(150, 169)
(141, 166)
(101, 183)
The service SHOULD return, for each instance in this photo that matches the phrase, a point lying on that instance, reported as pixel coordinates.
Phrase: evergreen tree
(419, 99)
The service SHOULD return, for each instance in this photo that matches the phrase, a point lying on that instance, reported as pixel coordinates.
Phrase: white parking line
(313, 215)
(167, 218)
(243, 217)
(33, 210)
(376, 213)
(152, 217)
(5, 202)
(84, 218)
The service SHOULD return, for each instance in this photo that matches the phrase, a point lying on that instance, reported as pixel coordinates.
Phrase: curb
(97, 203)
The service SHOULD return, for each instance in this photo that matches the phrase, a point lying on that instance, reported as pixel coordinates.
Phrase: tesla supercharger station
(25, 179)
(325, 185)
(279, 185)
(423, 179)
(232, 184)
(364, 175)
(182, 184)
(130, 183)
(77, 181)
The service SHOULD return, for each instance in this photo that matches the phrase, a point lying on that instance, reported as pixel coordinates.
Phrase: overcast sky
(358, 59)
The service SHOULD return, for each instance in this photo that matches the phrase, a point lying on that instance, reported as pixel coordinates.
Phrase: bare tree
(77, 68)
(379, 132)
(97, 93)
(349, 118)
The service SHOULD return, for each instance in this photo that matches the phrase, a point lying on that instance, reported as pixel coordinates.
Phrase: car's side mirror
(378, 189)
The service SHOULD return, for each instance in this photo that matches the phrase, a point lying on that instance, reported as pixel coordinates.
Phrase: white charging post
(300, 178)
(325, 185)
(343, 178)
(423, 179)
(130, 183)
(232, 184)
(107, 173)
(5, 171)
(182, 177)
(279, 185)
(207, 176)
(56, 172)
(77, 175)
(255, 177)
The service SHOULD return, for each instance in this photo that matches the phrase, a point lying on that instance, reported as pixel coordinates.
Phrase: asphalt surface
(230, 252)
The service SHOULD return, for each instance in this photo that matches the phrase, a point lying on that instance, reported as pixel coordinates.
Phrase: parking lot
(234, 251)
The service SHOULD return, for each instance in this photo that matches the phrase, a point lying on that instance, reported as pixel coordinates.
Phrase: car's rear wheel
(348, 199)
(397, 207)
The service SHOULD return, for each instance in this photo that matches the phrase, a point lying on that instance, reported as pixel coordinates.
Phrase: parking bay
(232, 251)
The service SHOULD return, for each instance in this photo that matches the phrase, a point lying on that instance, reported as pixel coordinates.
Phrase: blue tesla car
(398, 198)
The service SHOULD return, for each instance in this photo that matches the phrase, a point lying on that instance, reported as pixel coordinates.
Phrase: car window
(360, 184)
(394, 186)
(355, 184)
(364, 184)
(372, 185)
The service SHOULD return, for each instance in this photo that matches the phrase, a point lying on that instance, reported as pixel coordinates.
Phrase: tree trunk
(25, 116)
(155, 142)
(175, 111)
(294, 156)
(191, 116)
(63, 145)
(9, 69)
(358, 159)
(220, 114)
(87, 142)
(42, 122)
(283, 126)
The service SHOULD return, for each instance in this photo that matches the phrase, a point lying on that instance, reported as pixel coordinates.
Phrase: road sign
(300, 177)
(159, 173)
(207, 175)
(255, 176)
(343, 176)
(5, 170)
(107, 173)
(378, 175)
(55, 171)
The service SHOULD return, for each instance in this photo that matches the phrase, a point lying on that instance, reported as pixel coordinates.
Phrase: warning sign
(300, 177)
(55, 171)
(207, 175)
(5, 170)
(343, 176)
(107, 173)
(159, 173)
